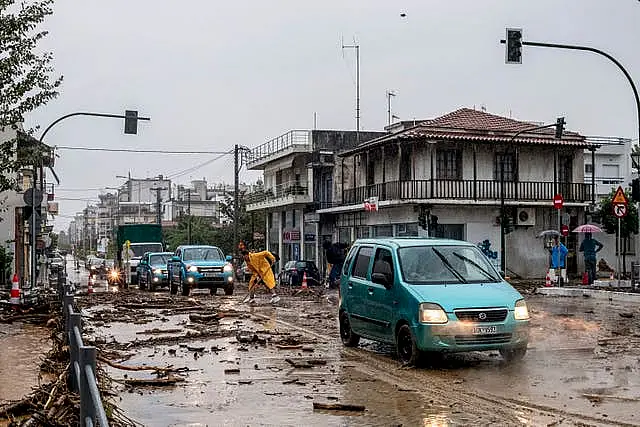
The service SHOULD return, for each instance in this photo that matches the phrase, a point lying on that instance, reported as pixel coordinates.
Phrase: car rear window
(361, 265)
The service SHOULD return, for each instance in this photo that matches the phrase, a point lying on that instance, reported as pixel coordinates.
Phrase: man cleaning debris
(259, 263)
(590, 247)
(335, 253)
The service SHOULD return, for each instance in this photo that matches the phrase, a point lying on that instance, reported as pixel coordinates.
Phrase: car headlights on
(228, 268)
(432, 313)
(521, 312)
(157, 271)
(114, 274)
(193, 269)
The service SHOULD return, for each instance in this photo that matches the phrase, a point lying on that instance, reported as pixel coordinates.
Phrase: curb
(592, 293)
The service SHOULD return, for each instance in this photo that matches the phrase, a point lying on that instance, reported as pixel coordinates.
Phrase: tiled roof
(466, 124)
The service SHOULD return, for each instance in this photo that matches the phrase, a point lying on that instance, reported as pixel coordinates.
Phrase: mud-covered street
(211, 360)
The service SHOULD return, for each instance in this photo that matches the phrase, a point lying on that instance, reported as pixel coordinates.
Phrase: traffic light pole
(599, 52)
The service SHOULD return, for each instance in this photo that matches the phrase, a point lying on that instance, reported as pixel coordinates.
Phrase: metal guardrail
(294, 138)
(82, 378)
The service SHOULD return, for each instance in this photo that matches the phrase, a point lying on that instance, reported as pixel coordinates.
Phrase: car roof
(196, 246)
(404, 242)
(159, 253)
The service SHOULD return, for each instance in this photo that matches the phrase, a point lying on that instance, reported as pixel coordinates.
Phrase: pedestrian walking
(260, 264)
(335, 253)
(558, 259)
(590, 247)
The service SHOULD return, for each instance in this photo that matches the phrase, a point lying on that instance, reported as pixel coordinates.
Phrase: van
(429, 295)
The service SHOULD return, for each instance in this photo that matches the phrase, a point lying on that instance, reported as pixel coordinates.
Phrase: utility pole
(189, 215)
(390, 93)
(158, 204)
(357, 48)
(236, 190)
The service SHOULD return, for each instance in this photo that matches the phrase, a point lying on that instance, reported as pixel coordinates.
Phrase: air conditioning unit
(526, 216)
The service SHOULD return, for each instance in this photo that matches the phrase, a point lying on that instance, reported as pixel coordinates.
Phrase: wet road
(582, 367)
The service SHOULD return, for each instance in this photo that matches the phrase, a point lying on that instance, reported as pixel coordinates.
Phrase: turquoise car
(200, 266)
(429, 295)
(152, 270)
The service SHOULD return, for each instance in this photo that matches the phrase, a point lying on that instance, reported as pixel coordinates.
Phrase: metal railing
(82, 377)
(468, 190)
(294, 138)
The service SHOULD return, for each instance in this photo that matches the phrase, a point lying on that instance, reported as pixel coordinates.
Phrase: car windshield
(428, 265)
(202, 254)
(97, 261)
(109, 263)
(140, 250)
(158, 259)
(305, 264)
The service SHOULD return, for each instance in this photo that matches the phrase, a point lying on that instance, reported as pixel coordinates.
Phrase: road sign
(565, 230)
(371, 204)
(620, 210)
(558, 201)
(620, 198)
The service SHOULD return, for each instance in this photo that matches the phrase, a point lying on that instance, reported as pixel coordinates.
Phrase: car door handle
(350, 285)
(370, 291)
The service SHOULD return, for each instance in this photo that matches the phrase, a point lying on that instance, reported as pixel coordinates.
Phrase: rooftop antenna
(390, 117)
(355, 46)
(315, 120)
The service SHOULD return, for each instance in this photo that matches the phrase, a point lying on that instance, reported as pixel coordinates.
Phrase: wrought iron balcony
(533, 191)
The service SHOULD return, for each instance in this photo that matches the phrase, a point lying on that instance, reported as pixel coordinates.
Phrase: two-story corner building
(298, 179)
(453, 167)
(609, 165)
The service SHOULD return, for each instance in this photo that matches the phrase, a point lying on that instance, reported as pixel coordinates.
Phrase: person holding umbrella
(590, 247)
(558, 256)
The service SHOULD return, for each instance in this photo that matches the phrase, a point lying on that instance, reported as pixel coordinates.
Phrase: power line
(196, 167)
(133, 150)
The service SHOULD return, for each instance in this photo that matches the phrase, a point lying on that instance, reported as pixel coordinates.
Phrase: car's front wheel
(186, 288)
(173, 287)
(228, 289)
(348, 337)
(408, 351)
(152, 286)
(142, 284)
(513, 354)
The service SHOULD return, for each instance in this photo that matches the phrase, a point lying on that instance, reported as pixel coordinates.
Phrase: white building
(450, 168)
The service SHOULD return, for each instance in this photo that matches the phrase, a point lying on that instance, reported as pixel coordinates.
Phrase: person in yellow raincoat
(259, 263)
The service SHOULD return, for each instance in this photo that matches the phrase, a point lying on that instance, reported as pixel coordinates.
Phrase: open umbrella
(548, 233)
(588, 228)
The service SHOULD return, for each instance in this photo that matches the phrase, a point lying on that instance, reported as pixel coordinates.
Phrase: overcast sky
(211, 74)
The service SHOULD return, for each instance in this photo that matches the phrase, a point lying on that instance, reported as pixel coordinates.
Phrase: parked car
(152, 270)
(293, 273)
(57, 263)
(427, 295)
(96, 267)
(200, 266)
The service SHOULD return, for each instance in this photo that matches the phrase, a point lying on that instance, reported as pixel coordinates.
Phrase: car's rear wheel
(186, 288)
(408, 351)
(228, 290)
(348, 337)
(513, 354)
(135, 279)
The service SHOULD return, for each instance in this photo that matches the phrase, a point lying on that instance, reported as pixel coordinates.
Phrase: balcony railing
(295, 138)
(467, 190)
(278, 192)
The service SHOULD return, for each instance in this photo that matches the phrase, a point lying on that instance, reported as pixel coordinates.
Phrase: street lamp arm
(520, 132)
(83, 113)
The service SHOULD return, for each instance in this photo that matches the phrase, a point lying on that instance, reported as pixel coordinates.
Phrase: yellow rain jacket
(260, 265)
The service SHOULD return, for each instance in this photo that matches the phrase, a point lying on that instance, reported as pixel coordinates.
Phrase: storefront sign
(289, 236)
(309, 237)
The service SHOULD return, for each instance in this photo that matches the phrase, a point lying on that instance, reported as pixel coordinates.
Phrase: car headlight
(114, 274)
(157, 271)
(228, 268)
(521, 312)
(193, 269)
(432, 313)
(93, 267)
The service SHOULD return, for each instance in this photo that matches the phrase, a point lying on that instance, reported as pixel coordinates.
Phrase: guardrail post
(74, 349)
(67, 301)
(87, 358)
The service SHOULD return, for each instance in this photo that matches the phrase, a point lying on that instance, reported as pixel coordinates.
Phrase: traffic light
(514, 46)
(422, 220)
(559, 127)
(635, 189)
(508, 224)
(131, 122)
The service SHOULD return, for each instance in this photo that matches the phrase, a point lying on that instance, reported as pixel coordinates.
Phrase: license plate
(484, 330)
(210, 274)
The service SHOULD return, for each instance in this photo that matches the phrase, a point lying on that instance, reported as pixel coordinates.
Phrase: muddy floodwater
(237, 364)
(22, 348)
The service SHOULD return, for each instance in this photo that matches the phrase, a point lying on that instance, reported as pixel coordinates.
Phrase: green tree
(248, 224)
(25, 74)
(202, 233)
(628, 224)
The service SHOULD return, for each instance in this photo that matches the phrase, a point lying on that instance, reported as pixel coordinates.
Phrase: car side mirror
(502, 274)
(229, 258)
(143, 262)
(175, 258)
(381, 279)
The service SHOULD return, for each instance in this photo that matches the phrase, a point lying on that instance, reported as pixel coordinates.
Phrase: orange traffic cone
(90, 285)
(14, 296)
(304, 287)
(547, 280)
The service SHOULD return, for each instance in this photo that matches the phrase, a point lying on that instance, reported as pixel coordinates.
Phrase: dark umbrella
(547, 233)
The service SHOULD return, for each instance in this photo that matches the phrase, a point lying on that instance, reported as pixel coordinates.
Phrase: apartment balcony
(295, 141)
(478, 190)
(280, 195)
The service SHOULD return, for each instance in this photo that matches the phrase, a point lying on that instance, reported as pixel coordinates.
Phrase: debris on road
(171, 380)
(339, 407)
(232, 371)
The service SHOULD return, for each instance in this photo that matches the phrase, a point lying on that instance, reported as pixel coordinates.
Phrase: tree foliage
(628, 224)
(26, 81)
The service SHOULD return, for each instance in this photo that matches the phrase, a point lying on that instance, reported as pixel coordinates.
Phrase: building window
(362, 232)
(344, 235)
(383, 231)
(450, 231)
(404, 230)
(405, 162)
(449, 164)
(508, 162)
(588, 168)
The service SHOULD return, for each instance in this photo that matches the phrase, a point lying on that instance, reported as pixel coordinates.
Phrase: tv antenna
(355, 46)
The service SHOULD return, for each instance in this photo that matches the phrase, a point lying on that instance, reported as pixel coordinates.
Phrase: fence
(82, 377)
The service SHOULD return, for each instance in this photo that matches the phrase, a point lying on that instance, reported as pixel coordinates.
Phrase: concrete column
(280, 231)
(317, 227)
(267, 244)
(302, 233)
